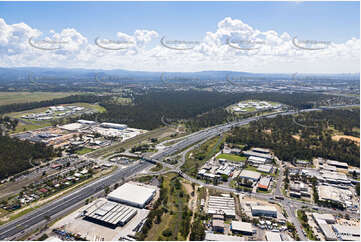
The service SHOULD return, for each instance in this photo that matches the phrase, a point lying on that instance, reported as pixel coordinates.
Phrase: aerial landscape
(180, 121)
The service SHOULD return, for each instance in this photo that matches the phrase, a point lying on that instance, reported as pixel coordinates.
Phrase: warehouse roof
(265, 168)
(264, 208)
(132, 192)
(222, 237)
(273, 236)
(250, 174)
(242, 226)
(110, 212)
(348, 230)
(264, 182)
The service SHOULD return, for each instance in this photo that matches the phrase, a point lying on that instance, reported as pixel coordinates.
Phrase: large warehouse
(132, 194)
(110, 214)
(267, 211)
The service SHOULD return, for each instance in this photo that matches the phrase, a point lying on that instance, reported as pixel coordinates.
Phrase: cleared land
(338, 137)
(24, 97)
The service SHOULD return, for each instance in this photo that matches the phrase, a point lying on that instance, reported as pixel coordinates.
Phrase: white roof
(133, 193)
(273, 236)
(264, 208)
(242, 226)
(345, 229)
(222, 237)
(250, 174)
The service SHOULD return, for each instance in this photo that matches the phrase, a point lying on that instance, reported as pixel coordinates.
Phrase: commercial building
(257, 154)
(221, 237)
(132, 194)
(114, 126)
(265, 168)
(266, 211)
(264, 183)
(261, 150)
(242, 228)
(333, 194)
(337, 164)
(256, 161)
(221, 205)
(250, 175)
(218, 225)
(323, 221)
(335, 178)
(347, 233)
(109, 213)
(273, 236)
(329, 218)
(81, 121)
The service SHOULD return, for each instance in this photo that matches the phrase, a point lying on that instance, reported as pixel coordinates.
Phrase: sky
(265, 37)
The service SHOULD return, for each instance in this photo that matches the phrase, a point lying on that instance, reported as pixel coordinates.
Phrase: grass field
(83, 151)
(24, 97)
(175, 220)
(232, 157)
(201, 155)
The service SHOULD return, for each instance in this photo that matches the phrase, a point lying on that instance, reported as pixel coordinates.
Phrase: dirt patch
(268, 131)
(352, 138)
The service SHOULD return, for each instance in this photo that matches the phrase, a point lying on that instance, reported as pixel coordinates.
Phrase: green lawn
(25, 97)
(83, 151)
(232, 157)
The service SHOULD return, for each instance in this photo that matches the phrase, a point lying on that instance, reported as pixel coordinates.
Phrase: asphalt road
(53, 208)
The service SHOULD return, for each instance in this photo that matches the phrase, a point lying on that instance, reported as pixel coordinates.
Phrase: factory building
(222, 237)
(266, 211)
(132, 194)
(221, 205)
(261, 150)
(250, 175)
(110, 214)
(256, 161)
(242, 228)
(347, 233)
(333, 194)
(264, 183)
(323, 221)
(114, 126)
(273, 236)
(257, 154)
(337, 164)
(87, 122)
(265, 168)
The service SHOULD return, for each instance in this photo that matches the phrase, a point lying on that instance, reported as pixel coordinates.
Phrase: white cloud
(273, 52)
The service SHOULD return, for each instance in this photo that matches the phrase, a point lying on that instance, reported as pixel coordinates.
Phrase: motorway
(53, 209)
(43, 213)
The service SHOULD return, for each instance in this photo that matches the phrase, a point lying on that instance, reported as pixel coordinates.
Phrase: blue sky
(336, 21)
(211, 23)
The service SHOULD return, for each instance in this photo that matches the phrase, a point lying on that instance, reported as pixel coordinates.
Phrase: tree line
(290, 141)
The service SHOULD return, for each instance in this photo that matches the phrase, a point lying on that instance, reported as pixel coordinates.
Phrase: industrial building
(221, 205)
(323, 221)
(329, 193)
(347, 233)
(335, 177)
(273, 236)
(261, 150)
(239, 227)
(256, 161)
(264, 183)
(337, 164)
(266, 211)
(88, 122)
(250, 175)
(222, 237)
(257, 154)
(265, 168)
(114, 126)
(109, 213)
(132, 194)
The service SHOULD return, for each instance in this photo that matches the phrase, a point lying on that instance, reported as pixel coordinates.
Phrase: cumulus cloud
(234, 45)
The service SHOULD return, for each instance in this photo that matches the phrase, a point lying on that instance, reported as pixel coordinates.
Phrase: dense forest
(15, 155)
(200, 108)
(305, 136)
